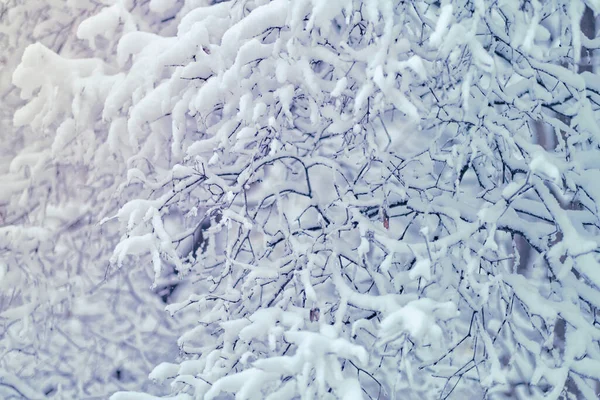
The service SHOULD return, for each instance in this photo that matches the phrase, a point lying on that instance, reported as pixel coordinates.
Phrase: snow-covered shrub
(346, 187)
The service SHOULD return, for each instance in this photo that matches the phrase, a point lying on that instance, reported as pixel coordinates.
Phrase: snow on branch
(372, 199)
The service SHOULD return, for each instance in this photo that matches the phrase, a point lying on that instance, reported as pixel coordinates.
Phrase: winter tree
(342, 190)
(69, 327)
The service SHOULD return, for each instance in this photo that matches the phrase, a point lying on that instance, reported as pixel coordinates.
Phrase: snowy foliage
(69, 327)
(365, 199)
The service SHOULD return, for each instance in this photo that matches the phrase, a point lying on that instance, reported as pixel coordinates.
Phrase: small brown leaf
(385, 218)
(314, 314)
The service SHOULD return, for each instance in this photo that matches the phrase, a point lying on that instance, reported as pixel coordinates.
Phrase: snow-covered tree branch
(69, 328)
(344, 190)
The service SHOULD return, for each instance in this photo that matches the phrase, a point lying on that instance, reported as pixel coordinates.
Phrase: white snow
(442, 24)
